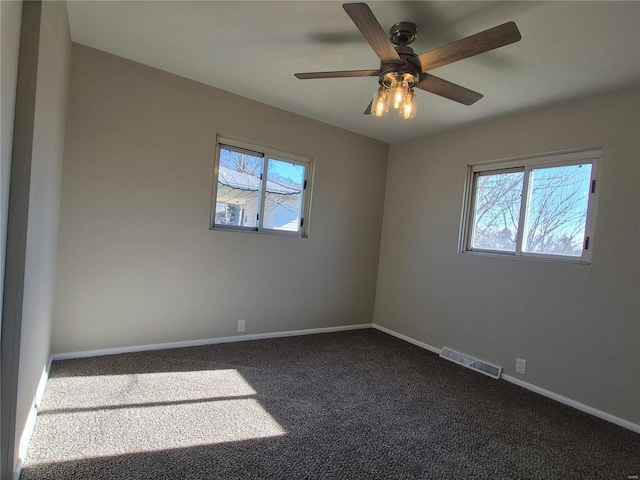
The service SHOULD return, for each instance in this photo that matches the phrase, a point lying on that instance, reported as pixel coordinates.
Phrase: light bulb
(399, 91)
(408, 108)
(380, 107)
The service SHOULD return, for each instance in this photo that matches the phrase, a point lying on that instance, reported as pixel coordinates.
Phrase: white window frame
(267, 153)
(525, 164)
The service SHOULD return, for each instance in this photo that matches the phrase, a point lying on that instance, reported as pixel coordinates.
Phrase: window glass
(557, 210)
(283, 198)
(238, 192)
(497, 210)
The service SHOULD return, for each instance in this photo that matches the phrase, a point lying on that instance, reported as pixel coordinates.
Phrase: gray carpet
(351, 405)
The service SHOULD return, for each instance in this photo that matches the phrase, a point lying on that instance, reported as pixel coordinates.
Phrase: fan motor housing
(409, 68)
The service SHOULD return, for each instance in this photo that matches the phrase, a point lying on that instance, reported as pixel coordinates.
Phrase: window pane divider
(524, 200)
(264, 178)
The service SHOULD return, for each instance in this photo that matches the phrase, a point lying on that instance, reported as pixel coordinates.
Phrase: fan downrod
(403, 33)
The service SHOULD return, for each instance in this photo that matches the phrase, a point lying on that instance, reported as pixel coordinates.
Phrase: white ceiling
(568, 49)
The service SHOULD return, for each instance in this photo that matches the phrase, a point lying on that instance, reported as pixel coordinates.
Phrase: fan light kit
(396, 91)
(401, 70)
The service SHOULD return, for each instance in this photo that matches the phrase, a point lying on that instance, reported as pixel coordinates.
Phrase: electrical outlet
(521, 365)
(242, 324)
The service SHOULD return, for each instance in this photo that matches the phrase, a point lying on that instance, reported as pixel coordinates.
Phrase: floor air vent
(470, 362)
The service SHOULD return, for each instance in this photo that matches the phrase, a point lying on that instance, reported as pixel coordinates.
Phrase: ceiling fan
(401, 70)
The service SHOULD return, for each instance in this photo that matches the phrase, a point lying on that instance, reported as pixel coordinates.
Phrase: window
(541, 207)
(259, 189)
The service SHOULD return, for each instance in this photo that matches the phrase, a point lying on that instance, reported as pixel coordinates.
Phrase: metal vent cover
(485, 368)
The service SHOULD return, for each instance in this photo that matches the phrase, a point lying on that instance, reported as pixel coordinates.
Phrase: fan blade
(448, 90)
(468, 47)
(344, 73)
(368, 110)
(372, 32)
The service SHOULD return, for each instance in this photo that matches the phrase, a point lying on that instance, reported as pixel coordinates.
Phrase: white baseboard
(408, 339)
(534, 388)
(572, 403)
(207, 341)
(30, 424)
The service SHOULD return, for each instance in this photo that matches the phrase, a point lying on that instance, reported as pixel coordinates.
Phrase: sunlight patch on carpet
(123, 414)
(111, 390)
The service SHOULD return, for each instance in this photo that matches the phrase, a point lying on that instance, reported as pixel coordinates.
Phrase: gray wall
(10, 19)
(10, 15)
(137, 261)
(577, 326)
(35, 206)
(44, 202)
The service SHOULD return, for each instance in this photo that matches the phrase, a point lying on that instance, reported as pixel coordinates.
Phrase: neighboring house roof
(246, 181)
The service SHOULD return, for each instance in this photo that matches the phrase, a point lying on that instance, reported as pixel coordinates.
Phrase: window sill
(259, 232)
(534, 257)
